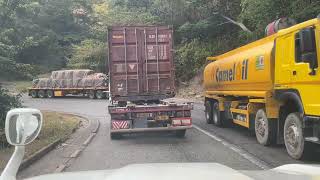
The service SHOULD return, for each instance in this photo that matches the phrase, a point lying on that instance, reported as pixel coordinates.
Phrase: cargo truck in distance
(71, 82)
(271, 86)
(141, 72)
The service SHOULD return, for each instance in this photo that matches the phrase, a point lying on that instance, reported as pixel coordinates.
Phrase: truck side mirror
(22, 126)
(308, 48)
(307, 40)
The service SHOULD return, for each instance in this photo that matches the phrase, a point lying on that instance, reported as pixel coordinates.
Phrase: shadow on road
(311, 158)
(153, 138)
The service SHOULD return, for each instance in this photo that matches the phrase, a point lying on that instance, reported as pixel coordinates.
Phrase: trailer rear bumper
(159, 129)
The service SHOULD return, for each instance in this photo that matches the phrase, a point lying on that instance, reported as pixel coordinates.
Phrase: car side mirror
(22, 126)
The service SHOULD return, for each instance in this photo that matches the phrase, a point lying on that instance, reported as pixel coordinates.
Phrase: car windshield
(126, 82)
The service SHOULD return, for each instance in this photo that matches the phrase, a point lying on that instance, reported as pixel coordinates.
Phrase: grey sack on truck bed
(72, 79)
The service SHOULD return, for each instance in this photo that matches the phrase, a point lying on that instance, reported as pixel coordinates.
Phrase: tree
(51, 35)
(7, 102)
(258, 14)
(90, 54)
(41, 32)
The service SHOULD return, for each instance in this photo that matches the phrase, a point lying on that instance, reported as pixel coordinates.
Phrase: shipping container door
(157, 66)
(126, 61)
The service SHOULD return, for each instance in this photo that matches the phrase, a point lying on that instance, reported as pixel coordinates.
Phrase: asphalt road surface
(233, 146)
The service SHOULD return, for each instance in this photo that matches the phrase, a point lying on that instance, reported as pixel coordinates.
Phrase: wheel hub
(215, 117)
(261, 126)
(207, 112)
(293, 135)
(207, 115)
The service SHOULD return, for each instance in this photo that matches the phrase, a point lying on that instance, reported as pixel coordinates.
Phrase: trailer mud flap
(120, 124)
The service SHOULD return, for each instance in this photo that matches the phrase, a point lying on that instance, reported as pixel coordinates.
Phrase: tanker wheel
(50, 94)
(216, 115)
(34, 94)
(294, 140)
(92, 94)
(181, 133)
(100, 94)
(208, 112)
(265, 129)
(42, 94)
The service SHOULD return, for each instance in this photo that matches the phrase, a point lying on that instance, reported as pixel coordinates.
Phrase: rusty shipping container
(141, 63)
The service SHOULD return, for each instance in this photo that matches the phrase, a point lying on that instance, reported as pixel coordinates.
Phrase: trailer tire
(100, 94)
(50, 94)
(294, 140)
(181, 133)
(34, 94)
(208, 112)
(42, 94)
(122, 103)
(92, 94)
(115, 136)
(265, 129)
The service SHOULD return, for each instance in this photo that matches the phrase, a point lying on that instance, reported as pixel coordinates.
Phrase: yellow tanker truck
(271, 86)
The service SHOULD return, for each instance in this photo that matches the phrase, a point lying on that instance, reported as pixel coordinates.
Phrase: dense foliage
(7, 102)
(39, 33)
(89, 54)
(48, 34)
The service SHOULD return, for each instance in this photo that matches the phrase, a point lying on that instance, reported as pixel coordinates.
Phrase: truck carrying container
(61, 83)
(142, 75)
(270, 86)
(141, 63)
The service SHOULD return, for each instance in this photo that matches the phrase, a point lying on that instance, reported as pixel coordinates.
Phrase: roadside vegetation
(37, 36)
(7, 102)
(55, 126)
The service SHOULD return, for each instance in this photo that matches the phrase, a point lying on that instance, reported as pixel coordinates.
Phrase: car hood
(165, 171)
(186, 171)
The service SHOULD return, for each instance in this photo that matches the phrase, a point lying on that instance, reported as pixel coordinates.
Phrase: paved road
(233, 146)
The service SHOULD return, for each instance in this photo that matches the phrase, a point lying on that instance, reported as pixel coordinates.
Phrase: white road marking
(236, 149)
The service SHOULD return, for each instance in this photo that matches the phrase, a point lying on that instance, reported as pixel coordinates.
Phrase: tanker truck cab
(270, 86)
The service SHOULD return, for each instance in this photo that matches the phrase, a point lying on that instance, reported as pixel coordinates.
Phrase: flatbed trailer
(166, 117)
(92, 93)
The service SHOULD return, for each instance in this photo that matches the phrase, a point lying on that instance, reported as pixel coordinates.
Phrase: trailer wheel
(294, 141)
(34, 94)
(50, 94)
(115, 136)
(265, 128)
(100, 94)
(208, 112)
(42, 94)
(92, 94)
(181, 133)
(122, 103)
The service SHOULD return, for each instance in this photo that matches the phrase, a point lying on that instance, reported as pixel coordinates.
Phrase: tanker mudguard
(290, 94)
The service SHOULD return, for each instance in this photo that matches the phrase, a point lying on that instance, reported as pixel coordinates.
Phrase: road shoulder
(59, 158)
